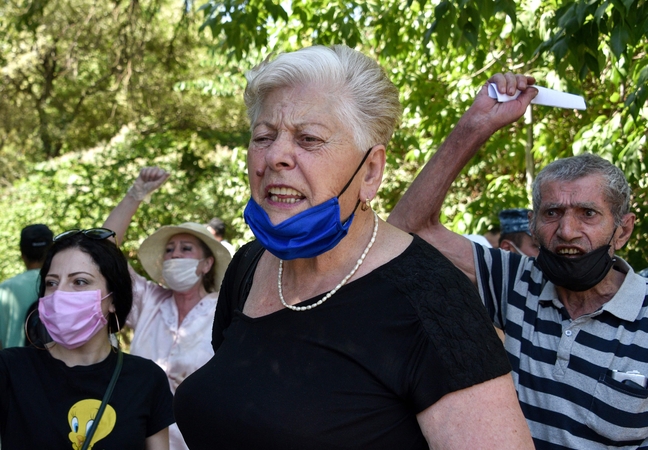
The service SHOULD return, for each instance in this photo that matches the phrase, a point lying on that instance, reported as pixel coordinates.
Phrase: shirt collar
(626, 303)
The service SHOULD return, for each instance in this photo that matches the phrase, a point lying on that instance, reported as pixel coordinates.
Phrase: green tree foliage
(80, 189)
(76, 73)
(92, 91)
(440, 52)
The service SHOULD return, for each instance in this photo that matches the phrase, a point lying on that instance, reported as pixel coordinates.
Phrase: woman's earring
(117, 322)
(32, 330)
(365, 206)
(117, 340)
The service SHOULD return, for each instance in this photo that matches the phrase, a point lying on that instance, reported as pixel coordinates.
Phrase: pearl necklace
(336, 288)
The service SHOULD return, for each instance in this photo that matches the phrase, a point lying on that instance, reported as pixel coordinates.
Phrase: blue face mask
(305, 235)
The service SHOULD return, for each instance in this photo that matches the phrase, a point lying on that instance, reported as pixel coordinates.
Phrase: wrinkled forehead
(588, 190)
(299, 104)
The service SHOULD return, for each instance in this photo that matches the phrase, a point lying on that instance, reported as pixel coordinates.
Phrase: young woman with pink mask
(51, 393)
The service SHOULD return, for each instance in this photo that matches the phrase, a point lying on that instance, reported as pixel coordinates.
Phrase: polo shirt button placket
(564, 352)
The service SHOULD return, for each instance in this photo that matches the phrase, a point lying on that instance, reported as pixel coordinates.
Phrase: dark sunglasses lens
(99, 233)
(92, 233)
(65, 234)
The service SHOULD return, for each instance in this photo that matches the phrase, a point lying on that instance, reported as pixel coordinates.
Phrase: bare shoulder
(390, 243)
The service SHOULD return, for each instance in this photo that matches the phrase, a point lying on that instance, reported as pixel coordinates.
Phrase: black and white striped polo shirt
(562, 367)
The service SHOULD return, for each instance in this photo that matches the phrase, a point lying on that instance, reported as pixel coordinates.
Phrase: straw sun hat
(151, 252)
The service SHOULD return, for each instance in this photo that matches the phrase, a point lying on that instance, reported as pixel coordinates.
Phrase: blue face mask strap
(364, 158)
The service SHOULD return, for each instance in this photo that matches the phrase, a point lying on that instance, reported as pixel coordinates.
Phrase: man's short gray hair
(616, 190)
(368, 101)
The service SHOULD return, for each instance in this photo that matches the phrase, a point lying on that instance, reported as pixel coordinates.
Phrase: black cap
(35, 236)
(514, 221)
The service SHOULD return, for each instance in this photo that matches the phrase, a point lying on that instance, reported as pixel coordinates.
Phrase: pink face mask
(72, 318)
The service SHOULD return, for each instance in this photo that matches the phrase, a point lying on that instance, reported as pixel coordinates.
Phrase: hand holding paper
(546, 97)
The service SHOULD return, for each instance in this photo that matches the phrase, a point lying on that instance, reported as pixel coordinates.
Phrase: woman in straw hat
(172, 316)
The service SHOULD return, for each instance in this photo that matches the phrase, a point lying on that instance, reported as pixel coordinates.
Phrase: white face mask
(180, 274)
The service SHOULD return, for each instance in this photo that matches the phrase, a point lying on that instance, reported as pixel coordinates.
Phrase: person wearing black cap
(515, 235)
(17, 294)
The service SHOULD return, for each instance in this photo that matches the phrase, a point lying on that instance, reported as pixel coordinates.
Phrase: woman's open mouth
(284, 195)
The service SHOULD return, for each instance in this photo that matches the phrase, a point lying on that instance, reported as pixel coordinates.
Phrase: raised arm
(419, 208)
(149, 179)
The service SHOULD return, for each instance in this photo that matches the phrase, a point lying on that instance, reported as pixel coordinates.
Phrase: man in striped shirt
(575, 317)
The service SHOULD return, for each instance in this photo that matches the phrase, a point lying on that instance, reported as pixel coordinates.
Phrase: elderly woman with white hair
(335, 329)
(173, 314)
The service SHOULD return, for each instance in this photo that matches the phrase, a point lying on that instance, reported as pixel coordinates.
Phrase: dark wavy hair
(112, 265)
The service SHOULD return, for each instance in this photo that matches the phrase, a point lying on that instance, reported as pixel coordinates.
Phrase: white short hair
(367, 101)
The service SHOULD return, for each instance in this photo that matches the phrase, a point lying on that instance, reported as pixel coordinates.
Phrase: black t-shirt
(350, 373)
(46, 405)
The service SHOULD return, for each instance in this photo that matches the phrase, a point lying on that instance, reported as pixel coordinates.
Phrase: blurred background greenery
(90, 92)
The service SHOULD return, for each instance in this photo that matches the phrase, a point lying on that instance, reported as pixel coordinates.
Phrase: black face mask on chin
(578, 273)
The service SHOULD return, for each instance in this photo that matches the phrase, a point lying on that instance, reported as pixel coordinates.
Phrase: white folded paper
(545, 97)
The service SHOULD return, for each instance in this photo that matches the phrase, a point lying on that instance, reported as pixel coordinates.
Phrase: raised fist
(149, 179)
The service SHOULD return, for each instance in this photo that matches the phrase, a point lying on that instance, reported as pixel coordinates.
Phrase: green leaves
(509, 7)
(240, 26)
(619, 39)
(636, 100)
(93, 69)
(79, 190)
(578, 26)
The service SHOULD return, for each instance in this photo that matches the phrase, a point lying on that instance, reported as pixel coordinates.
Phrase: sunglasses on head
(92, 233)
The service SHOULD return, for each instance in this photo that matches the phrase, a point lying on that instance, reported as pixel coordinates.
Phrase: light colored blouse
(179, 349)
